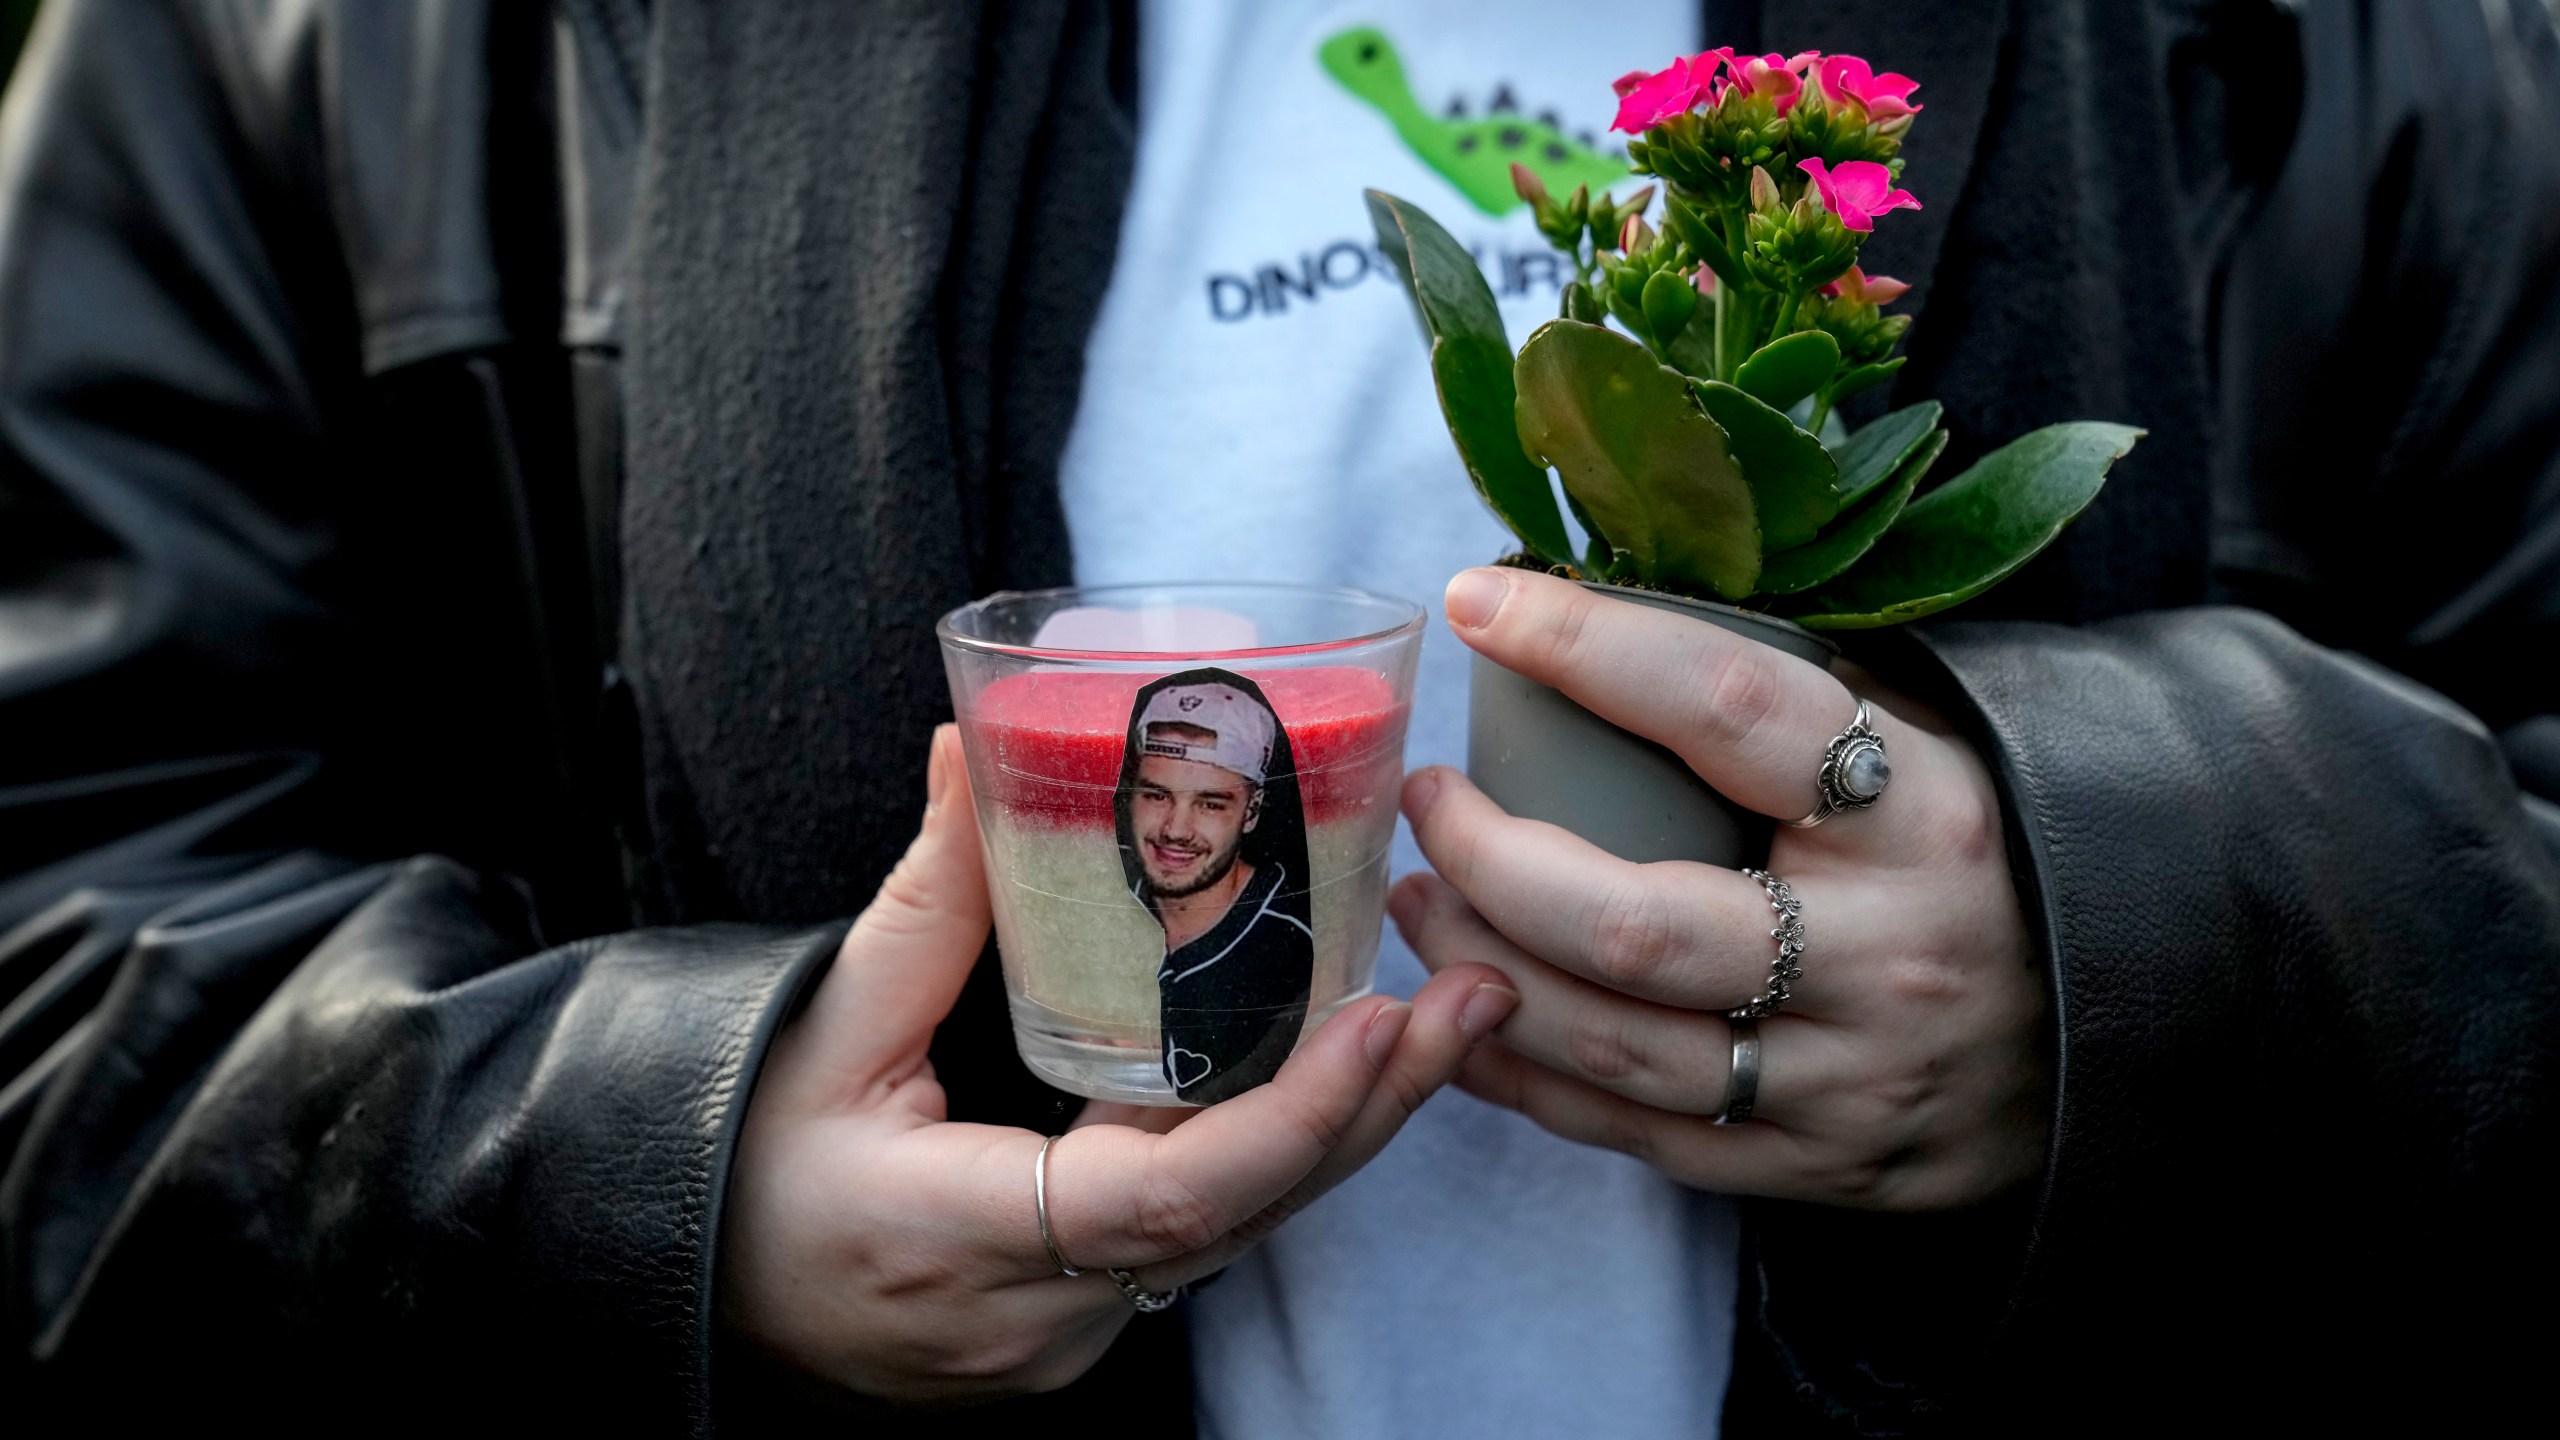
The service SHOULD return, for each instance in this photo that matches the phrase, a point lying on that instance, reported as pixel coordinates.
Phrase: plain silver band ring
(1742, 1086)
(1040, 1199)
(1833, 781)
(1148, 1301)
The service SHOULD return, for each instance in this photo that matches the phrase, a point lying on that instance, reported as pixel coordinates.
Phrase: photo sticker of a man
(1213, 841)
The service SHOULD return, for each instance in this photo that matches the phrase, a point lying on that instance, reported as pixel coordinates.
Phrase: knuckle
(1323, 1129)
(1862, 1181)
(1627, 1132)
(1059, 1368)
(895, 1268)
(1740, 690)
(1694, 1165)
(1561, 639)
(998, 1353)
(1970, 832)
(1633, 937)
(1915, 1188)
(1456, 852)
(1174, 1216)
(905, 897)
(1943, 1186)
(1264, 1223)
(1901, 1095)
(1920, 982)
(1406, 1092)
(1601, 1049)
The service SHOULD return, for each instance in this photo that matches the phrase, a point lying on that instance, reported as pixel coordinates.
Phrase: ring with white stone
(1854, 771)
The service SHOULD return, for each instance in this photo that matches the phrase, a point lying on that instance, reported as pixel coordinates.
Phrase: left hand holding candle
(1904, 1074)
(876, 1244)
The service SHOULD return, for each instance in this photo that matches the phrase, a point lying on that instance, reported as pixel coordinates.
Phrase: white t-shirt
(1257, 405)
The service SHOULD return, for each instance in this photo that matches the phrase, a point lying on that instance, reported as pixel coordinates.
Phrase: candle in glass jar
(1047, 760)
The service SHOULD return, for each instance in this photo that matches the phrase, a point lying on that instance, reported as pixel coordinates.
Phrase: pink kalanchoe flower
(1645, 101)
(1886, 96)
(1858, 192)
(1771, 75)
(1860, 288)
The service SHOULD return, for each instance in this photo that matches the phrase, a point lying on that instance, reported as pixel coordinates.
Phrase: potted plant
(1687, 399)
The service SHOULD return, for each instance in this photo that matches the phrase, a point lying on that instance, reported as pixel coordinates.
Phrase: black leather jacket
(312, 551)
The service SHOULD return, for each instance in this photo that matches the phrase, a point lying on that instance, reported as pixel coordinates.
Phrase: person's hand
(874, 1244)
(1906, 1073)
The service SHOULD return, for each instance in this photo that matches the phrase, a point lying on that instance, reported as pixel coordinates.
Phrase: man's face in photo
(1190, 818)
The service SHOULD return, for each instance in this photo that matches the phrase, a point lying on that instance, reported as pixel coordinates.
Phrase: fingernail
(1404, 906)
(1385, 1029)
(1473, 596)
(1486, 1009)
(937, 768)
(1422, 787)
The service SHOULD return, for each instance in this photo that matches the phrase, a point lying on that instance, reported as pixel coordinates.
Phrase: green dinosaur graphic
(1473, 155)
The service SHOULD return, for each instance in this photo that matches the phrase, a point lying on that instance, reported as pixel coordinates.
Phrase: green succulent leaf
(1974, 531)
(1793, 483)
(1879, 449)
(1471, 365)
(1789, 368)
(1668, 303)
(1842, 545)
(1865, 378)
(1640, 458)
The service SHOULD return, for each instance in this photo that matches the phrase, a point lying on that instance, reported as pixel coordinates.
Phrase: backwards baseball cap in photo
(1239, 726)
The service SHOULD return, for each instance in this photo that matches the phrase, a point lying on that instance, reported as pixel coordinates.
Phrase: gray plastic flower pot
(1542, 756)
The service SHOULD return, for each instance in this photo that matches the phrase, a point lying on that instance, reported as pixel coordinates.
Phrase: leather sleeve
(435, 1176)
(2302, 935)
(283, 1134)
(2300, 909)
(2304, 942)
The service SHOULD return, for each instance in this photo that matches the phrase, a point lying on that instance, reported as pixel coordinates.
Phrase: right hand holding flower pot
(1904, 1074)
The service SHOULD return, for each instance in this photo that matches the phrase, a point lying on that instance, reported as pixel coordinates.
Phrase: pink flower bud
(1857, 192)
(1769, 75)
(1764, 191)
(1860, 288)
(1526, 184)
(1705, 280)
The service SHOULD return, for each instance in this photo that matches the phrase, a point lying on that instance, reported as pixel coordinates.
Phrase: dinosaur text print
(1302, 279)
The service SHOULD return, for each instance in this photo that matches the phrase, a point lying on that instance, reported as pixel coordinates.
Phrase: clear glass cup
(1186, 795)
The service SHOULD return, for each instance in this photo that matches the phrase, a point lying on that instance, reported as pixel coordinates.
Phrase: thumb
(904, 961)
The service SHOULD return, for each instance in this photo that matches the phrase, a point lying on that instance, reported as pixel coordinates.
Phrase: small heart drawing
(1177, 1060)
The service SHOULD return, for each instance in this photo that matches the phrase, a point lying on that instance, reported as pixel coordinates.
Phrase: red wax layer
(1055, 737)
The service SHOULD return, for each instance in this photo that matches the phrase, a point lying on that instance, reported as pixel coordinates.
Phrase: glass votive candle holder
(1186, 795)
